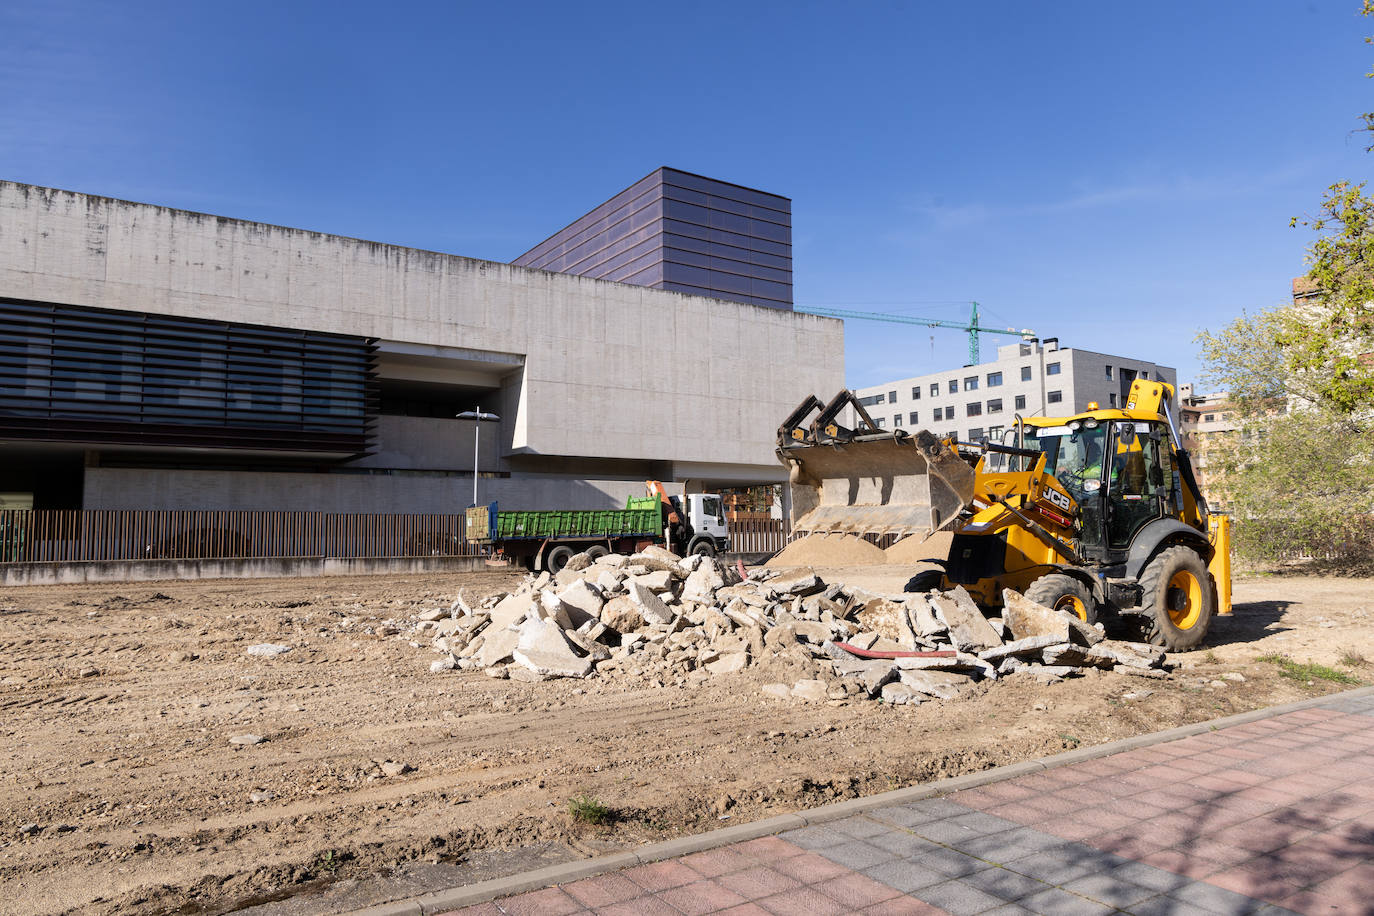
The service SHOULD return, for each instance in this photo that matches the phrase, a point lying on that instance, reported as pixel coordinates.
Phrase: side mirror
(1126, 433)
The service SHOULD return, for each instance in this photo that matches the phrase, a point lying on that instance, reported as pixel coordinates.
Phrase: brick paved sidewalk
(1271, 816)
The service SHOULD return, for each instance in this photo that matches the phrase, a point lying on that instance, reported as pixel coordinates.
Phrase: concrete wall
(417, 492)
(16, 574)
(610, 370)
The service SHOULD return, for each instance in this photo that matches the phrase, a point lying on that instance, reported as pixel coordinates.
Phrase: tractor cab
(1119, 471)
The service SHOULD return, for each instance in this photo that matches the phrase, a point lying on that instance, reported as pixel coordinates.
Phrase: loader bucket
(892, 483)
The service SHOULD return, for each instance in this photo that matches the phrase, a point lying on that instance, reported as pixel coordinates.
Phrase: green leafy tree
(1299, 473)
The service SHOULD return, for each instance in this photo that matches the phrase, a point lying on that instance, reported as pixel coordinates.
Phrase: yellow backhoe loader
(1098, 513)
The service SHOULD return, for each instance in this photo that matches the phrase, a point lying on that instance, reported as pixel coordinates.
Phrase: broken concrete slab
(1026, 618)
(940, 684)
(728, 663)
(969, 630)
(650, 605)
(899, 694)
(622, 615)
(1031, 645)
(811, 690)
(511, 609)
(799, 582)
(660, 580)
(498, 646)
(544, 649)
(583, 602)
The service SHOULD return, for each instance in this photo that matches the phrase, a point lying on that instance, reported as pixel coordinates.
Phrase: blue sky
(1117, 175)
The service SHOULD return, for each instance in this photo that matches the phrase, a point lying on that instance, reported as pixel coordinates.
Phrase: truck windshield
(1074, 456)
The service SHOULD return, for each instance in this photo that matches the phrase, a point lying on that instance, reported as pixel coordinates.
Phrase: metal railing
(51, 535)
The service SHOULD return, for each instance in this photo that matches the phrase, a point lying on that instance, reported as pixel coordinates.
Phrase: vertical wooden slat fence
(758, 535)
(125, 534)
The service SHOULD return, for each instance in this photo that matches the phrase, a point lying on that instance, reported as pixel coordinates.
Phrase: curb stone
(484, 891)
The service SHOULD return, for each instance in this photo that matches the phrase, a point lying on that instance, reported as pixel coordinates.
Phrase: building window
(915, 392)
(974, 410)
(879, 422)
(913, 421)
(1025, 373)
(995, 433)
(939, 413)
(1054, 397)
(935, 389)
(1109, 372)
(892, 397)
(897, 421)
(954, 386)
(1111, 400)
(995, 405)
(1144, 373)
(1051, 368)
(1209, 418)
(976, 433)
(1020, 402)
(871, 400)
(971, 383)
(994, 379)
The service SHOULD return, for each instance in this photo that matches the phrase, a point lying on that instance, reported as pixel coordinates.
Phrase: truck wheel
(596, 552)
(702, 547)
(1064, 593)
(558, 557)
(1177, 599)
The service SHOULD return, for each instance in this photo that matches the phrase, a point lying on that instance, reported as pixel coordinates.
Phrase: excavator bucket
(869, 481)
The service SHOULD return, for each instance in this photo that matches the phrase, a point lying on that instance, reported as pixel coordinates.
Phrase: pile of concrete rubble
(669, 620)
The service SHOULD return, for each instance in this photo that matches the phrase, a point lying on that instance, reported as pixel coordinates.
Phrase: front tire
(557, 558)
(927, 580)
(702, 547)
(1177, 598)
(1063, 592)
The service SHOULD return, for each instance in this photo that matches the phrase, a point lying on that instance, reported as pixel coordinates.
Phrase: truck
(546, 539)
(1098, 513)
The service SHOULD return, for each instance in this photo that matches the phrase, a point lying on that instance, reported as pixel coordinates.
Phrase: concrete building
(1030, 378)
(159, 358)
(1205, 422)
(683, 232)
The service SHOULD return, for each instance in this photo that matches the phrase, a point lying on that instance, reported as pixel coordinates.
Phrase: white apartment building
(1028, 379)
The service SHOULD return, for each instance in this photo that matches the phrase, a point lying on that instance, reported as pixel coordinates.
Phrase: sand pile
(912, 549)
(829, 550)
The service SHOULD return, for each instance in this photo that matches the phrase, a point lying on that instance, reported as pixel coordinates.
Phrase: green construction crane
(972, 325)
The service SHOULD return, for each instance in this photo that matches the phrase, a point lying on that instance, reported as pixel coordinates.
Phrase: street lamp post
(477, 417)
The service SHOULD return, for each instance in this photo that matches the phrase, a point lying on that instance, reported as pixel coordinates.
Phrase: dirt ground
(120, 791)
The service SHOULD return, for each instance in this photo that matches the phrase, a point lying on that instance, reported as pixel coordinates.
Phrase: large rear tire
(1063, 592)
(1177, 598)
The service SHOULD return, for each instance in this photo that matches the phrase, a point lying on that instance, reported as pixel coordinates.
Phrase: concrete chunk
(544, 649)
(659, 580)
(1025, 618)
(583, 602)
(811, 690)
(941, 684)
(1031, 645)
(899, 694)
(511, 609)
(969, 630)
(802, 581)
(649, 604)
(497, 646)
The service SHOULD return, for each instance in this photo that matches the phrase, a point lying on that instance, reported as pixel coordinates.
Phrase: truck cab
(705, 513)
